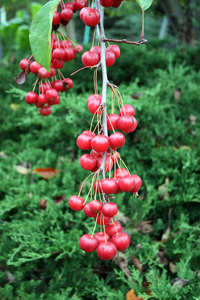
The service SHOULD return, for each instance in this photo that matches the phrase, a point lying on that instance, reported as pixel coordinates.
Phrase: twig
(137, 43)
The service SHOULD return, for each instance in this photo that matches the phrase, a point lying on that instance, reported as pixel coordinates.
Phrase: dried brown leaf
(173, 268)
(162, 259)
(137, 95)
(121, 261)
(46, 173)
(177, 94)
(132, 296)
(20, 79)
(137, 263)
(178, 282)
(22, 170)
(145, 227)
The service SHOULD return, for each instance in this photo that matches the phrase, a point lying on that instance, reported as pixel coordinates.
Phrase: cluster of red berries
(64, 12)
(62, 51)
(111, 238)
(93, 56)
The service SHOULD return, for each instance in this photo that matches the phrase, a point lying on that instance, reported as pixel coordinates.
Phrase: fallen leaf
(166, 234)
(121, 260)
(20, 79)
(2, 154)
(177, 94)
(46, 173)
(14, 106)
(137, 263)
(145, 227)
(22, 170)
(132, 296)
(162, 259)
(173, 268)
(193, 119)
(178, 282)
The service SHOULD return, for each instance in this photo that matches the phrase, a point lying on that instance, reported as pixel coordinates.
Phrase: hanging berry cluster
(103, 157)
(62, 51)
(110, 176)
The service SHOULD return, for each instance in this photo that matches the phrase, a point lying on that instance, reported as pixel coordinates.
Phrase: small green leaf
(40, 34)
(144, 4)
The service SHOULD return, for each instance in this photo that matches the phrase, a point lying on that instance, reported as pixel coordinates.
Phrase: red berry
(42, 99)
(80, 4)
(94, 97)
(138, 184)
(120, 173)
(76, 203)
(90, 59)
(95, 205)
(43, 73)
(117, 3)
(102, 237)
(88, 212)
(106, 251)
(112, 121)
(51, 94)
(78, 48)
(126, 122)
(94, 106)
(100, 143)
(56, 18)
(59, 53)
(87, 162)
(115, 49)
(58, 63)
(69, 54)
(91, 17)
(116, 140)
(127, 183)
(127, 109)
(45, 110)
(96, 49)
(112, 229)
(88, 243)
(57, 85)
(121, 241)
(67, 84)
(34, 67)
(106, 3)
(67, 14)
(55, 101)
(82, 11)
(133, 127)
(84, 140)
(110, 209)
(24, 63)
(31, 97)
(110, 58)
(109, 185)
(44, 87)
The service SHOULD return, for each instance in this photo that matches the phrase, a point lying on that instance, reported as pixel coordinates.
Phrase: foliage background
(39, 253)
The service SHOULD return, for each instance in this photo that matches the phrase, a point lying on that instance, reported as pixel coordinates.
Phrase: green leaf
(144, 4)
(40, 34)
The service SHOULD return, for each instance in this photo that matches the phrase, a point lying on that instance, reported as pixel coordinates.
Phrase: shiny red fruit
(98, 187)
(133, 127)
(31, 97)
(34, 67)
(106, 251)
(24, 63)
(100, 143)
(91, 17)
(116, 140)
(45, 110)
(88, 162)
(56, 18)
(127, 109)
(67, 14)
(108, 165)
(120, 173)
(109, 185)
(95, 205)
(88, 212)
(124, 123)
(42, 99)
(110, 58)
(84, 140)
(90, 59)
(102, 237)
(101, 219)
(112, 229)
(107, 3)
(88, 243)
(51, 94)
(126, 184)
(121, 241)
(115, 49)
(112, 121)
(110, 209)
(76, 203)
(138, 184)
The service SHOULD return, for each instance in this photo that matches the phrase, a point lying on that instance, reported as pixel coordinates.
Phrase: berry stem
(104, 82)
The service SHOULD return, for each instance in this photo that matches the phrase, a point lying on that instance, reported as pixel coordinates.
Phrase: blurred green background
(39, 253)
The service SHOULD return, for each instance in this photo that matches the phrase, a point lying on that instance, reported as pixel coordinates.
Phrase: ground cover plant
(39, 254)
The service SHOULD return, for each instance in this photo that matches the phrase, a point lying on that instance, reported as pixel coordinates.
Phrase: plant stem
(104, 83)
